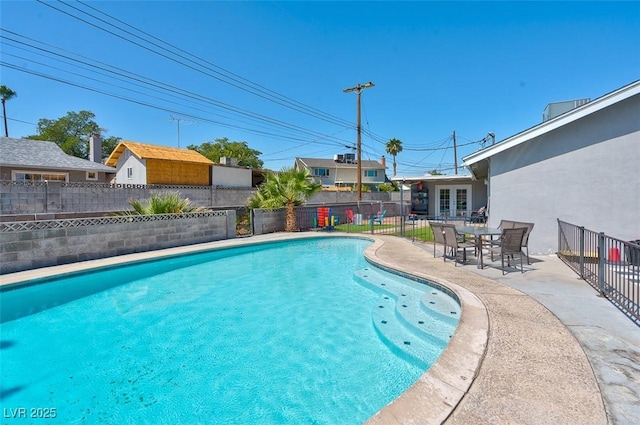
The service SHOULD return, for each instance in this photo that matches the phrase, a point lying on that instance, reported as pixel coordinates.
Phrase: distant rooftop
(148, 151)
(42, 154)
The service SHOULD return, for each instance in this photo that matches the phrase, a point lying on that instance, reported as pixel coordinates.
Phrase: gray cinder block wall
(35, 244)
(58, 197)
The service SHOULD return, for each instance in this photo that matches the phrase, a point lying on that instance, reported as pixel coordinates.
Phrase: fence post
(252, 217)
(560, 246)
(402, 209)
(581, 260)
(413, 229)
(601, 250)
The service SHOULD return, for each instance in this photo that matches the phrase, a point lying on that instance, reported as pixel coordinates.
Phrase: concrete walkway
(610, 339)
(534, 348)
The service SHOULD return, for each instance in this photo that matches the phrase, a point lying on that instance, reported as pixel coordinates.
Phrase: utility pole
(178, 120)
(455, 154)
(358, 89)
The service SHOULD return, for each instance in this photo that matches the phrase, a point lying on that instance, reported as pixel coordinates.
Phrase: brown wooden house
(140, 163)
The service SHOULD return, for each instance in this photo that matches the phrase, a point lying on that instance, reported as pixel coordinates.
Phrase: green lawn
(361, 228)
(421, 233)
(424, 234)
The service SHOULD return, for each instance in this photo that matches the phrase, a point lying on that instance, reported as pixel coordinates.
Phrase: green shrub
(164, 203)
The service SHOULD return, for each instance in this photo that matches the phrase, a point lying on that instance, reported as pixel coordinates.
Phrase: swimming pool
(297, 332)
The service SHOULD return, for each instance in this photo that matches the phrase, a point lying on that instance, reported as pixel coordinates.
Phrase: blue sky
(273, 73)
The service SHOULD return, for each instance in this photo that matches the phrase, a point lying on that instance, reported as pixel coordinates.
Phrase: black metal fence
(379, 218)
(610, 265)
(390, 218)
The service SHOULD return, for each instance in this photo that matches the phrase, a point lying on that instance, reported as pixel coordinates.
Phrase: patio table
(478, 232)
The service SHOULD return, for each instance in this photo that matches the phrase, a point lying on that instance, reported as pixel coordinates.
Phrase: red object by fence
(614, 255)
(323, 217)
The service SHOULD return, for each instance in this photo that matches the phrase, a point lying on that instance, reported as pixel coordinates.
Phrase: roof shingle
(41, 154)
(146, 151)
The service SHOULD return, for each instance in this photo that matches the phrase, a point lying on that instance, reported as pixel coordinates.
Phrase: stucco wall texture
(584, 173)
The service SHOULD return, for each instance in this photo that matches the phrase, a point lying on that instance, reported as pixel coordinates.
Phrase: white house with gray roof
(581, 167)
(342, 171)
(26, 160)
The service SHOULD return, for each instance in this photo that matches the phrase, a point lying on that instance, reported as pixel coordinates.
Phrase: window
(92, 175)
(38, 176)
(371, 173)
(322, 172)
(130, 173)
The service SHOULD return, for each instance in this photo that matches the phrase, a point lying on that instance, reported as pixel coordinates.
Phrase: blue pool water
(282, 333)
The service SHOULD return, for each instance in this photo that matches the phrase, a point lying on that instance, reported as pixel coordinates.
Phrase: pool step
(423, 309)
(407, 318)
(447, 309)
(414, 348)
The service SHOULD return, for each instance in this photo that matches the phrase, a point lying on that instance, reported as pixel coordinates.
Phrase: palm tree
(7, 94)
(394, 147)
(286, 189)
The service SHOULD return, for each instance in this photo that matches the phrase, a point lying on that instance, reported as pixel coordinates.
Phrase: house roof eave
(589, 108)
(434, 178)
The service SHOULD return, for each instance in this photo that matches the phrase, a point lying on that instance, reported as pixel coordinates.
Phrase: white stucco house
(341, 171)
(227, 173)
(582, 167)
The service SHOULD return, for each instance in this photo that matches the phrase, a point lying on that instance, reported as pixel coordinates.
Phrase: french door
(453, 201)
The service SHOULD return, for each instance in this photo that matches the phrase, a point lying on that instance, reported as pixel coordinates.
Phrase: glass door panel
(461, 202)
(444, 197)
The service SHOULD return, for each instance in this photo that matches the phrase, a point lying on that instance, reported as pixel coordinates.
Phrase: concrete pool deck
(556, 352)
(533, 348)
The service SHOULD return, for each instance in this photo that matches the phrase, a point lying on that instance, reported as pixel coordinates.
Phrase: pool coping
(457, 388)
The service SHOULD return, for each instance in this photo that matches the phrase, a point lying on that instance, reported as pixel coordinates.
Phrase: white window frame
(92, 175)
(373, 172)
(321, 172)
(453, 211)
(129, 173)
(14, 174)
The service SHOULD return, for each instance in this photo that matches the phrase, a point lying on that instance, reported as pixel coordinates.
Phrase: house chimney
(383, 161)
(95, 148)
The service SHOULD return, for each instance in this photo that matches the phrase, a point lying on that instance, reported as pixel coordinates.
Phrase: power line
(201, 66)
(236, 77)
(138, 102)
(175, 54)
(21, 121)
(153, 83)
(149, 82)
(288, 102)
